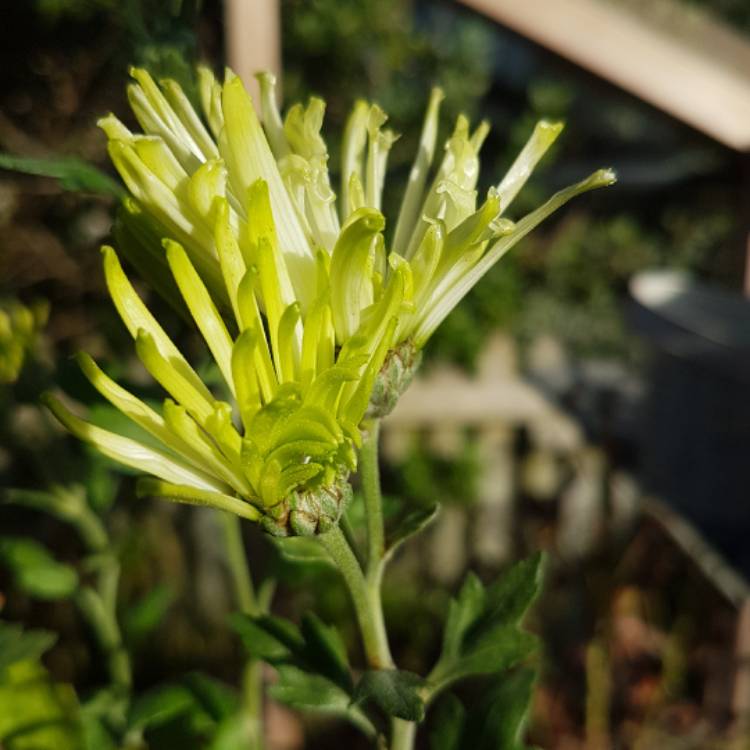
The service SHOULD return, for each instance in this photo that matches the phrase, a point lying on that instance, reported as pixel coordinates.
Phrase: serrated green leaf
(482, 633)
(447, 724)
(35, 571)
(463, 612)
(409, 524)
(325, 651)
(312, 692)
(394, 691)
(500, 649)
(17, 644)
(72, 173)
(508, 599)
(272, 639)
(306, 691)
(498, 722)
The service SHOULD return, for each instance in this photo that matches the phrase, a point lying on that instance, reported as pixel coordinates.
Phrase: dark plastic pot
(695, 442)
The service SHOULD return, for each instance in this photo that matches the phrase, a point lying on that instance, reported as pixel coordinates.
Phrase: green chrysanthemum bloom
(298, 399)
(442, 243)
(329, 321)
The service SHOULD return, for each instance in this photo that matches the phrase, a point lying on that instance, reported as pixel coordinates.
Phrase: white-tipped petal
(379, 144)
(544, 135)
(272, 122)
(413, 197)
(443, 306)
(249, 159)
(130, 452)
(352, 151)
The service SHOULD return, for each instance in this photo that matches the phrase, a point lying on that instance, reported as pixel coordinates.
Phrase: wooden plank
(253, 38)
(708, 93)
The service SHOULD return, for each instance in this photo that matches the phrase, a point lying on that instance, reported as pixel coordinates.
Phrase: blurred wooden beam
(709, 90)
(253, 38)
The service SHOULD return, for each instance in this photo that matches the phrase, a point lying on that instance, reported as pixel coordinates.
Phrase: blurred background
(588, 397)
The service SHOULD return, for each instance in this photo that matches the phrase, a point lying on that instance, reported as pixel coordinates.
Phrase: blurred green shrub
(19, 328)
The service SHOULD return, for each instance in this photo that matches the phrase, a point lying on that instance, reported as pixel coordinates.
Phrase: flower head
(313, 318)
(280, 449)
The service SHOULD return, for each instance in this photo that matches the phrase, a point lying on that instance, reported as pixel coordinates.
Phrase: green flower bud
(394, 377)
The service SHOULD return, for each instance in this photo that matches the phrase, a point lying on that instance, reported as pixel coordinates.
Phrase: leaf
(17, 644)
(218, 700)
(269, 638)
(509, 598)
(499, 650)
(160, 705)
(448, 724)
(35, 713)
(395, 691)
(201, 700)
(72, 173)
(482, 631)
(101, 715)
(498, 722)
(300, 550)
(305, 691)
(35, 571)
(145, 615)
(325, 651)
(462, 614)
(412, 522)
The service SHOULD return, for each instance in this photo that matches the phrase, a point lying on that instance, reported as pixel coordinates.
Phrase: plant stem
(103, 623)
(365, 598)
(403, 734)
(99, 605)
(364, 587)
(370, 476)
(244, 591)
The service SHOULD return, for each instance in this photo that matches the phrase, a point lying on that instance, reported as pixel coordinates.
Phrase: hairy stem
(365, 598)
(364, 586)
(370, 477)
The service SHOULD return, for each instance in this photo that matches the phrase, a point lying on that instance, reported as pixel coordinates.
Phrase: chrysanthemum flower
(312, 316)
(281, 448)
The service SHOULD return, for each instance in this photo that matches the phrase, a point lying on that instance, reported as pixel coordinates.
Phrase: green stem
(365, 598)
(244, 591)
(99, 605)
(364, 587)
(103, 622)
(370, 477)
(252, 704)
(351, 539)
(403, 734)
